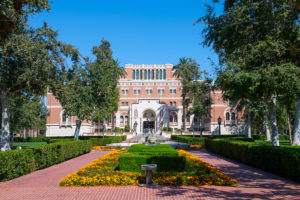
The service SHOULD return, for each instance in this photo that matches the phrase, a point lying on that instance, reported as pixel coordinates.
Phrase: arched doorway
(149, 120)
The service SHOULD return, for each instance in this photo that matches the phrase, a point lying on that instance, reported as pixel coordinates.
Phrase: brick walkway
(253, 184)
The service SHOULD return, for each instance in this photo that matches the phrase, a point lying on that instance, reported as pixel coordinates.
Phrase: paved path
(253, 184)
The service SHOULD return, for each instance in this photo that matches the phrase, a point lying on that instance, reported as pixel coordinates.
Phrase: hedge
(32, 139)
(188, 139)
(163, 155)
(283, 161)
(16, 163)
(133, 162)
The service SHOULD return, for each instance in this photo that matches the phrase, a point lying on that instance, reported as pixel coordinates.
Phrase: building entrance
(148, 125)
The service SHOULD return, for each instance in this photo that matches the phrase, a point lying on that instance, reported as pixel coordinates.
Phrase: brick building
(150, 98)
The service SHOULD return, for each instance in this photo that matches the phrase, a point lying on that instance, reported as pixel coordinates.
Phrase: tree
(187, 71)
(255, 42)
(90, 91)
(198, 93)
(29, 58)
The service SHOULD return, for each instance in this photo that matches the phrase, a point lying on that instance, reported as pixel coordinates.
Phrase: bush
(127, 128)
(118, 129)
(188, 139)
(283, 161)
(32, 139)
(51, 154)
(16, 163)
(133, 162)
(163, 155)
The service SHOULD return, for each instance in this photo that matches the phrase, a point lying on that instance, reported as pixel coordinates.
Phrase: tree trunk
(289, 126)
(266, 123)
(5, 143)
(297, 126)
(24, 133)
(275, 136)
(183, 118)
(113, 122)
(78, 125)
(249, 124)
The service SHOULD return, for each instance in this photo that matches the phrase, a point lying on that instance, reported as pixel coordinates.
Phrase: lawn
(106, 171)
(25, 145)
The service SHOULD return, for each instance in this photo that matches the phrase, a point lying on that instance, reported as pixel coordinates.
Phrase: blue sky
(140, 32)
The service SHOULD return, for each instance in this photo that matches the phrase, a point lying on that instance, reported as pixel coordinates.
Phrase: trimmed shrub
(32, 139)
(51, 154)
(189, 139)
(163, 155)
(16, 163)
(127, 128)
(283, 161)
(133, 162)
(118, 129)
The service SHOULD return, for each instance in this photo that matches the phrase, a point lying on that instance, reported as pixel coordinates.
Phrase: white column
(118, 119)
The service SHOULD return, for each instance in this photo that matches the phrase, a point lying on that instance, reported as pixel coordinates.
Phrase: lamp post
(219, 122)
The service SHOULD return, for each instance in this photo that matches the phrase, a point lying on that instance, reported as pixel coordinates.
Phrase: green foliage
(16, 163)
(26, 145)
(127, 128)
(188, 139)
(32, 139)
(51, 154)
(163, 155)
(167, 128)
(283, 161)
(118, 129)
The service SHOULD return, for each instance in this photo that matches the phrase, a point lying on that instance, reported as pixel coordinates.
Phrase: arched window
(137, 74)
(227, 116)
(160, 74)
(152, 74)
(133, 74)
(175, 118)
(121, 119)
(171, 118)
(232, 116)
(164, 74)
(126, 119)
(187, 118)
(145, 74)
(156, 74)
(149, 74)
(141, 74)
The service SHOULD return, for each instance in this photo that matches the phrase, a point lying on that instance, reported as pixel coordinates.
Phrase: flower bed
(104, 171)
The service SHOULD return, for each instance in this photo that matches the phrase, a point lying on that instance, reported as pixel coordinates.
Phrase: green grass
(25, 145)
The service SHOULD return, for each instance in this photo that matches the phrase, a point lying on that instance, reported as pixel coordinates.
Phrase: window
(227, 116)
(137, 76)
(172, 91)
(137, 91)
(161, 91)
(145, 74)
(175, 118)
(124, 91)
(232, 116)
(156, 74)
(133, 74)
(171, 118)
(126, 103)
(149, 91)
(66, 119)
(160, 74)
(174, 103)
(152, 74)
(164, 74)
(121, 119)
(149, 74)
(171, 103)
(187, 118)
(126, 119)
(141, 74)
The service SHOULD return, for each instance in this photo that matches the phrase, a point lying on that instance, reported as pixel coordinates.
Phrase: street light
(219, 122)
